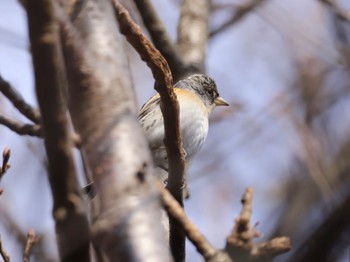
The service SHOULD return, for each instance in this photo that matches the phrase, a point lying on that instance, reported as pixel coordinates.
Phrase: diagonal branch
(239, 14)
(18, 101)
(21, 128)
(170, 111)
(161, 39)
(338, 12)
(194, 235)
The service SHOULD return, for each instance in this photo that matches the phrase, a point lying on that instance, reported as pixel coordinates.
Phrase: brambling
(197, 96)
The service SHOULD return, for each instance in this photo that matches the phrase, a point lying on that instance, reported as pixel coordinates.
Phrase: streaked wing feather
(153, 102)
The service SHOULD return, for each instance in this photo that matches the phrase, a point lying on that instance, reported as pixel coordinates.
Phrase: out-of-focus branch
(3, 253)
(193, 31)
(103, 110)
(338, 12)
(18, 101)
(331, 237)
(332, 234)
(72, 227)
(340, 17)
(240, 244)
(239, 13)
(21, 128)
(161, 39)
(243, 232)
(170, 111)
(6, 153)
(271, 248)
(73, 7)
(32, 240)
(194, 235)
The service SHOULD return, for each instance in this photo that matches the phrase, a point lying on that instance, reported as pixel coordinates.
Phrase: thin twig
(32, 240)
(21, 128)
(243, 232)
(18, 101)
(170, 111)
(192, 232)
(3, 253)
(240, 245)
(5, 159)
(240, 13)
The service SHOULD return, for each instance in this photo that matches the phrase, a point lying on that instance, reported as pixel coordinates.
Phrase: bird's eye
(210, 92)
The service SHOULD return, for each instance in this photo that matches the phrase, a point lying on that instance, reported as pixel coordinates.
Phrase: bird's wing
(153, 102)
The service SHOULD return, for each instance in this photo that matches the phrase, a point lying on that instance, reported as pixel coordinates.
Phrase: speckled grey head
(205, 87)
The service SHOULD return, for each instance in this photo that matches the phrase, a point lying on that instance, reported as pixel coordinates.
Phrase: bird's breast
(193, 123)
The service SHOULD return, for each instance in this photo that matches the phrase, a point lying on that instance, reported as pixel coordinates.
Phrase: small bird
(197, 96)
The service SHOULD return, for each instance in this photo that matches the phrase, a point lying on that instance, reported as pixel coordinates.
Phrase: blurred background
(285, 69)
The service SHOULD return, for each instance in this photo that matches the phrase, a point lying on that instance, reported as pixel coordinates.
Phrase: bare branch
(104, 110)
(332, 236)
(193, 31)
(3, 253)
(32, 240)
(239, 14)
(192, 232)
(72, 227)
(21, 128)
(340, 17)
(338, 12)
(243, 233)
(271, 248)
(333, 233)
(170, 111)
(18, 101)
(161, 39)
(240, 245)
(5, 159)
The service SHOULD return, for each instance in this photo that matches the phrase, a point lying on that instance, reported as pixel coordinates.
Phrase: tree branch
(69, 213)
(3, 253)
(240, 245)
(320, 245)
(104, 110)
(21, 128)
(5, 159)
(328, 239)
(192, 232)
(32, 240)
(170, 111)
(239, 14)
(161, 38)
(193, 31)
(18, 101)
(341, 15)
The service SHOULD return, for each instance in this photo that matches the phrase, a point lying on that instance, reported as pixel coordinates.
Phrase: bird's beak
(219, 101)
